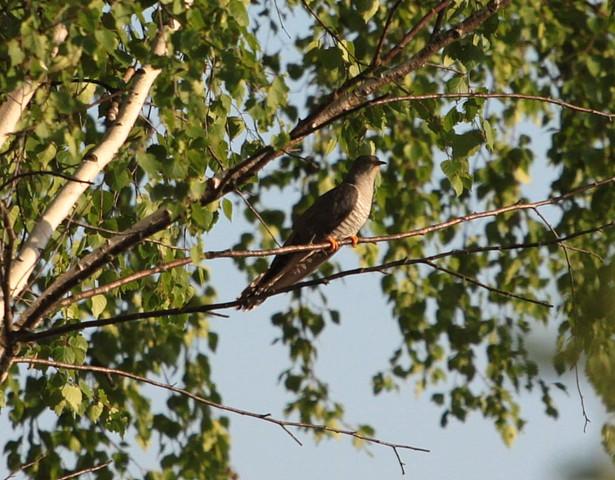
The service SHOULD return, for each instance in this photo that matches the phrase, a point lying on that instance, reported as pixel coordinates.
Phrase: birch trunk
(17, 101)
(94, 162)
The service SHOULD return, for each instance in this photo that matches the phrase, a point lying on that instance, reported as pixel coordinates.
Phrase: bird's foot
(334, 243)
(354, 240)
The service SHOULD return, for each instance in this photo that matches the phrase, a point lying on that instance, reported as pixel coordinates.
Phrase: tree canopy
(129, 128)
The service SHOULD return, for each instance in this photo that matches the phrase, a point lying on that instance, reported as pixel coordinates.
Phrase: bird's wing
(313, 226)
(325, 215)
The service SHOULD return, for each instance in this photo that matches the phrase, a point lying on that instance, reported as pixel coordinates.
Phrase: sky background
(247, 364)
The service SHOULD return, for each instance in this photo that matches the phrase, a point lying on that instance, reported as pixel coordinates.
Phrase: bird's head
(362, 166)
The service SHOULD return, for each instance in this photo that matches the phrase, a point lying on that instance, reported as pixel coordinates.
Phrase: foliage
(222, 95)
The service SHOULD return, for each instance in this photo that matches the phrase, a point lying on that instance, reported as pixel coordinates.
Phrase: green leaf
(239, 12)
(99, 303)
(276, 96)
(73, 396)
(201, 216)
(488, 131)
(367, 8)
(467, 143)
(106, 39)
(281, 140)
(94, 411)
(227, 208)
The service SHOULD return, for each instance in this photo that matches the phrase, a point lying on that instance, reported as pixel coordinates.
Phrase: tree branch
(28, 336)
(415, 30)
(229, 253)
(180, 262)
(83, 471)
(341, 103)
(42, 172)
(209, 403)
(90, 263)
(5, 268)
(376, 60)
(333, 35)
(490, 95)
(473, 281)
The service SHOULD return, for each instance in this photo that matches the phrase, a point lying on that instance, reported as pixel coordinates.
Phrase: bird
(337, 214)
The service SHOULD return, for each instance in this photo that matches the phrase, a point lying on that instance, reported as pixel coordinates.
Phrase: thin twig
(258, 216)
(489, 95)
(473, 281)
(414, 31)
(277, 9)
(124, 280)
(212, 404)
(401, 464)
(565, 248)
(83, 471)
(586, 419)
(573, 297)
(335, 37)
(117, 232)
(376, 58)
(25, 466)
(42, 172)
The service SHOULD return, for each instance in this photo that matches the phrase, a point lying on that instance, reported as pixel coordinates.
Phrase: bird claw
(354, 240)
(334, 243)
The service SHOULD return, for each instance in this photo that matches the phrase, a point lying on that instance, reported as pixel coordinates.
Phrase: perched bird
(336, 215)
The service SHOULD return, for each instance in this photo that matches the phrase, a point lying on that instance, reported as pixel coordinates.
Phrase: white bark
(17, 100)
(12, 108)
(92, 165)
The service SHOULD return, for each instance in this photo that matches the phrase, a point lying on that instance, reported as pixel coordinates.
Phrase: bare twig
(124, 280)
(414, 31)
(83, 471)
(572, 294)
(258, 216)
(209, 403)
(586, 419)
(401, 464)
(487, 95)
(333, 35)
(25, 466)
(564, 248)
(499, 291)
(42, 172)
(116, 232)
(376, 60)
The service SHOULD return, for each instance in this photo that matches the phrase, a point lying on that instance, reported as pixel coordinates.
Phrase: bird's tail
(253, 295)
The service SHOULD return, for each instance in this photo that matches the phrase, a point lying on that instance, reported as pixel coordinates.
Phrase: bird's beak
(380, 162)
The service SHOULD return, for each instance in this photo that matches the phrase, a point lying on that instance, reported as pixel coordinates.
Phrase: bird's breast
(357, 216)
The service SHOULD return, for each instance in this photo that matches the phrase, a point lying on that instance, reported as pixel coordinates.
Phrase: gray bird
(336, 215)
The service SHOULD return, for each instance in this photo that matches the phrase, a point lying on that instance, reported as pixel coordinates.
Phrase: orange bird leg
(335, 245)
(354, 240)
